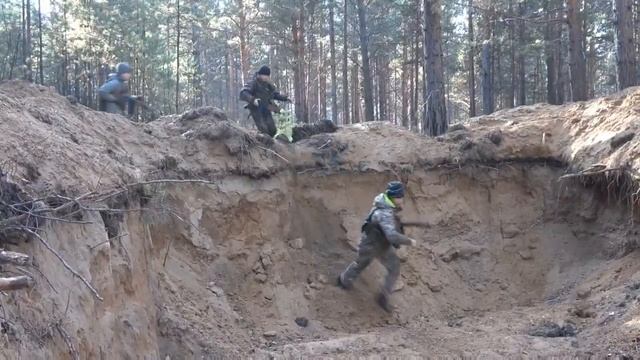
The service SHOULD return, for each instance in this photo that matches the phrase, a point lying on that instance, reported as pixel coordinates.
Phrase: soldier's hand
(256, 102)
(413, 242)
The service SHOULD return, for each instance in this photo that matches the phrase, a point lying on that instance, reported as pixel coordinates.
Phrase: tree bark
(435, 114)
(626, 52)
(487, 85)
(15, 283)
(472, 63)
(366, 66)
(577, 61)
(345, 66)
(332, 45)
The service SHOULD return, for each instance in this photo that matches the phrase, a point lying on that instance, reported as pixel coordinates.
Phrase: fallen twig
(274, 153)
(67, 340)
(125, 188)
(106, 241)
(64, 262)
(588, 173)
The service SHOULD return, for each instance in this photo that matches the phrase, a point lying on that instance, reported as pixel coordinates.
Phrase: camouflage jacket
(382, 223)
(263, 90)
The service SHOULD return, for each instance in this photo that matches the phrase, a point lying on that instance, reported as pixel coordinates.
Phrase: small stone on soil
(261, 278)
(584, 293)
(270, 334)
(296, 243)
(525, 254)
(302, 321)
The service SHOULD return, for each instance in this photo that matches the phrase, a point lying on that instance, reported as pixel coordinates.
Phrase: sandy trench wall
(250, 256)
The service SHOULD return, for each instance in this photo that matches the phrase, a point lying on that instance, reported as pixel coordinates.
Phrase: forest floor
(222, 243)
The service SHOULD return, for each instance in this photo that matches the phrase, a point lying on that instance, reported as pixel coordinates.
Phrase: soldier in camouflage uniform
(260, 94)
(381, 235)
(114, 94)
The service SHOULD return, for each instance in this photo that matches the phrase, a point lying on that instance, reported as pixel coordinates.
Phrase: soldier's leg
(113, 108)
(392, 263)
(365, 256)
(270, 124)
(258, 119)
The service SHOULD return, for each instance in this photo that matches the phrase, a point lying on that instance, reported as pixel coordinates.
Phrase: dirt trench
(242, 265)
(509, 247)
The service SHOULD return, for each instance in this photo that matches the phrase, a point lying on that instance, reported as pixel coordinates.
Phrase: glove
(256, 102)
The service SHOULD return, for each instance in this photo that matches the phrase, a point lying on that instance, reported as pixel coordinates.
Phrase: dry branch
(15, 283)
(67, 340)
(64, 262)
(10, 257)
(589, 173)
(36, 212)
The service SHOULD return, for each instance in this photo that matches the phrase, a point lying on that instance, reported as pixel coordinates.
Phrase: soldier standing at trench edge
(381, 235)
(259, 94)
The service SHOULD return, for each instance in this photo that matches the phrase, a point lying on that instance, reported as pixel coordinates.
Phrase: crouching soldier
(114, 94)
(381, 235)
(260, 93)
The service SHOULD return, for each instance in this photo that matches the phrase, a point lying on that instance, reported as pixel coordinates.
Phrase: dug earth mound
(200, 239)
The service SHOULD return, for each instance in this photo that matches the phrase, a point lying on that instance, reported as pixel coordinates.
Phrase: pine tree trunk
(197, 54)
(301, 108)
(322, 88)
(40, 62)
(435, 114)
(345, 66)
(178, 57)
(560, 61)
(522, 90)
(366, 66)
(332, 45)
(487, 85)
(244, 48)
(626, 52)
(355, 97)
(383, 75)
(29, 60)
(472, 63)
(313, 81)
(404, 92)
(417, 56)
(577, 61)
(549, 52)
(511, 97)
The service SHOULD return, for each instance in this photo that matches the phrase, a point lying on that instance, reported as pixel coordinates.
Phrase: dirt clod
(551, 329)
(621, 139)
